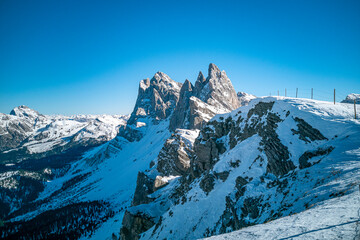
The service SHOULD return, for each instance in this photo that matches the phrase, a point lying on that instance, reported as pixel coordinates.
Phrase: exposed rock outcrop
(133, 225)
(306, 132)
(259, 121)
(308, 155)
(174, 157)
(144, 187)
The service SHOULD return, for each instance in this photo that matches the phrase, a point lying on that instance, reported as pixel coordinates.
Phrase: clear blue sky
(68, 57)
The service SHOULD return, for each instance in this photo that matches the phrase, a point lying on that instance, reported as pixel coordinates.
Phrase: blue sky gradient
(70, 57)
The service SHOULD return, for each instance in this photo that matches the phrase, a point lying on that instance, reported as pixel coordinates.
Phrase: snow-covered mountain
(26, 134)
(273, 158)
(245, 98)
(188, 163)
(351, 98)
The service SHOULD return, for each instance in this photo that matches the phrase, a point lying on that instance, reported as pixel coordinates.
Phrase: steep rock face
(133, 225)
(259, 121)
(217, 90)
(183, 109)
(144, 187)
(157, 98)
(174, 157)
(212, 95)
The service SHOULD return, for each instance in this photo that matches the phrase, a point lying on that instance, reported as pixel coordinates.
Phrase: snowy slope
(337, 218)
(112, 181)
(35, 149)
(274, 165)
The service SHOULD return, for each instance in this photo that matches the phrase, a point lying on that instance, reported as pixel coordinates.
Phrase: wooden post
(334, 96)
(312, 93)
(296, 92)
(355, 107)
(285, 92)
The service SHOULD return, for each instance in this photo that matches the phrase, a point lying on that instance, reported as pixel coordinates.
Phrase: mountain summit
(24, 111)
(212, 95)
(157, 98)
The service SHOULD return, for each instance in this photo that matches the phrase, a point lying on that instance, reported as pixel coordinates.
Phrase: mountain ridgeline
(191, 161)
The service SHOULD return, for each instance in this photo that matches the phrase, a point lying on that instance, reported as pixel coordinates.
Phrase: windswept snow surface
(337, 218)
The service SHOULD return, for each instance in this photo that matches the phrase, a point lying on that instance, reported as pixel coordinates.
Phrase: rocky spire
(213, 70)
(157, 98)
(219, 90)
(182, 110)
(212, 95)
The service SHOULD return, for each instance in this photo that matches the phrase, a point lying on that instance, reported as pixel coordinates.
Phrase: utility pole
(312, 93)
(296, 92)
(334, 96)
(285, 92)
(355, 107)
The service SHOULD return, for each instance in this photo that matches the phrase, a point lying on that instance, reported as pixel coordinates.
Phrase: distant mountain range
(190, 161)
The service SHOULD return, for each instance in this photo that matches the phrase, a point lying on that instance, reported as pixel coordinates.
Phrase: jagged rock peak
(187, 86)
(218, 90)
(24, 111)
(209, 97)
(213, 69)
(144, 84)
(156, 98)
(164, 80)
(201, 77)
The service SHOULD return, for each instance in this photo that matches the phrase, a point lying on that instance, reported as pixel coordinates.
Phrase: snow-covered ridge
(245, 98)
(32, 132)
(351, 98)
(273, 158)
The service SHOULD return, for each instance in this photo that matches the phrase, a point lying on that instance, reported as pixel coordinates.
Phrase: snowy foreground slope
(336, 218)
(273, 158)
